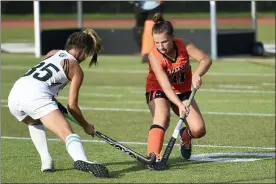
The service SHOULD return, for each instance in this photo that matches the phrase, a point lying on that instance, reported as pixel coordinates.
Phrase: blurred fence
(67, 7)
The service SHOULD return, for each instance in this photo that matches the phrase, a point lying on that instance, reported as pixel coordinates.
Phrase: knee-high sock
(75, 148)
(39, 138)
(155, 140)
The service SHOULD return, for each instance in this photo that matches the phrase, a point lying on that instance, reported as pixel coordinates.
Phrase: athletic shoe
(185, 146)
(158, 166)
(47, 165)
(98, 170)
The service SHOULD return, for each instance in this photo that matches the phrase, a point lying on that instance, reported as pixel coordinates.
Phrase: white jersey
(48, 76)
(32, 94)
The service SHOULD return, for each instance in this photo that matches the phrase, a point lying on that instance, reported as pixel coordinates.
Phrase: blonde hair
(97, 41)
(88, 40)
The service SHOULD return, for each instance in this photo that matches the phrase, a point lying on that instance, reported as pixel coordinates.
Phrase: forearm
(77, 115)
(203, 66)
(172, 96)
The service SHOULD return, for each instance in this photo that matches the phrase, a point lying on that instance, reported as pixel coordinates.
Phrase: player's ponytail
(97, 45)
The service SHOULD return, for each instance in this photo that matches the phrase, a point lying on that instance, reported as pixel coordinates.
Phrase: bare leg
(56, 122)
(195, 128)
(194, 121)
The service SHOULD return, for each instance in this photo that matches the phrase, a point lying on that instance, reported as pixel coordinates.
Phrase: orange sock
(155, 140)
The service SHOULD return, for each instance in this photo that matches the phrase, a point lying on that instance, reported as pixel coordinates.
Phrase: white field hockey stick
(171, 143)
(110, 141)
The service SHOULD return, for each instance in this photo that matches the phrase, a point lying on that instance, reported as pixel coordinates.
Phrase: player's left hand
(196, 81)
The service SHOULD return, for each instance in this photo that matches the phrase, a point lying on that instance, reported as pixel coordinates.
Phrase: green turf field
(237, 100)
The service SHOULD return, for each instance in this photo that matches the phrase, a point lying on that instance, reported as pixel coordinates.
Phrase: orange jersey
(178, 72)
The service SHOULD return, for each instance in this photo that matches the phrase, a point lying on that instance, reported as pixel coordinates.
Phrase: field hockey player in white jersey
(32, 100)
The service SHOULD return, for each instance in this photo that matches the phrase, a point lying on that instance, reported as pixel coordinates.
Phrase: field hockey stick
(176, 130)
(110, 141)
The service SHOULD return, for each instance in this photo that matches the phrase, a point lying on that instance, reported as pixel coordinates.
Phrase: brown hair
(161, 25)
(89, 41)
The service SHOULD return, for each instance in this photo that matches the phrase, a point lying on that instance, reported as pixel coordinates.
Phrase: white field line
(241, 74)
(140, 90)
(143, 101)
(125, 102)
(269, 84)
(237, 91)
(146, 110)
(144, 143)
(235, 86)
(15, 67)
(101, 95)
(213, 90)
(137, 90)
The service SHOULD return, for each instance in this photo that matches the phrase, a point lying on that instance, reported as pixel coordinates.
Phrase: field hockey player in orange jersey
(168, 85)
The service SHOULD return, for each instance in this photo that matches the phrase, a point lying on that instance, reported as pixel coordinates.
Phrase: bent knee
(198, 132)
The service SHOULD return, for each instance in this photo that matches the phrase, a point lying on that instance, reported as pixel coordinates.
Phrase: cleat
(47, 166)
(98, 170)
(158, 166)
(185, 146)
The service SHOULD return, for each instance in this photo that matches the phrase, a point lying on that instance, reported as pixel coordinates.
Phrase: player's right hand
(89, 129)
(183, 110)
